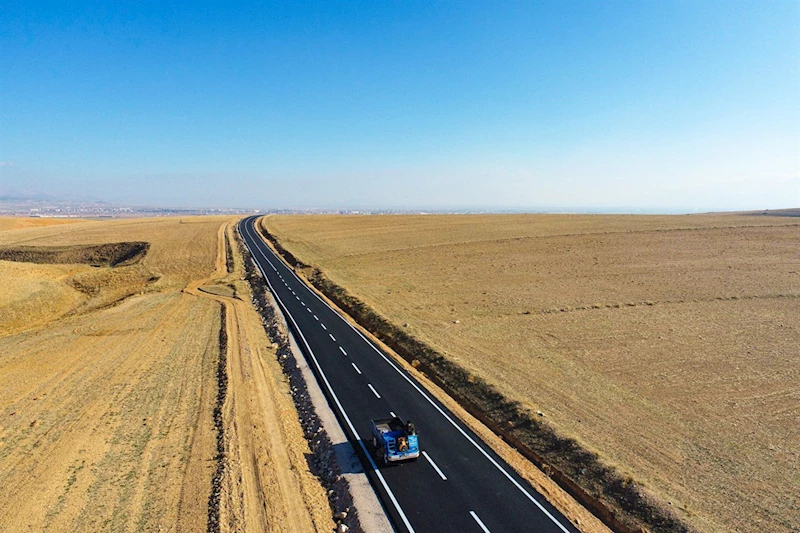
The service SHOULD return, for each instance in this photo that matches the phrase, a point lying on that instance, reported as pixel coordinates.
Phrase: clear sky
(531, 105)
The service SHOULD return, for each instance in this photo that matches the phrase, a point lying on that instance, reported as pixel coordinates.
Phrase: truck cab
(393, 441)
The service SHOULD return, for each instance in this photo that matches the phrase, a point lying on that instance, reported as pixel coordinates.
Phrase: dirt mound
(98, 255)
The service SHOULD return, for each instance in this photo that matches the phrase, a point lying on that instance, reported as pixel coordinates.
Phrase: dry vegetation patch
(665, 345)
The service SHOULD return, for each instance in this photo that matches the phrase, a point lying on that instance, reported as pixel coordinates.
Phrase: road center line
(373, 390)
(478, 520)
(357, 370)
(323, 326)
(438, 471)
(342, 349)
(332, 337)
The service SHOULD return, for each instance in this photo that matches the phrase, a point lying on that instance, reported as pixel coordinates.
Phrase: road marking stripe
(309, 310)
(352, 428)
(342, 349)
(478, 520)
(392, 413)
(428, 457)
(332, 337)
(357, 370)
(428, 398)
(323, 326)
(373, 390)
(316, 317)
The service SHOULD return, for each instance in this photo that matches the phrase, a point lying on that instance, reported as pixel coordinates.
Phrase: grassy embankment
(660, 351)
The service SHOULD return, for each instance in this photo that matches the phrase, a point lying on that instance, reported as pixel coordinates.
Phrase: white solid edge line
(357, 370)
(332, 337)
(428, 398)
(373, 390)
(480, 523)
(333, 394)
(342, 349)
(438, 471)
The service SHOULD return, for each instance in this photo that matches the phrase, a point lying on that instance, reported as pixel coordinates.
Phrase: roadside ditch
(213, 525)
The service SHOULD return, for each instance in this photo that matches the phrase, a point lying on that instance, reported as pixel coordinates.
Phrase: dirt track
(266, 485)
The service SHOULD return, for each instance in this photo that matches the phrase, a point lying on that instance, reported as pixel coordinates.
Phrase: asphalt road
(458, 484)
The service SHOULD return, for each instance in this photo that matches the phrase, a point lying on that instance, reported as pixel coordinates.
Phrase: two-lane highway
(459, 483)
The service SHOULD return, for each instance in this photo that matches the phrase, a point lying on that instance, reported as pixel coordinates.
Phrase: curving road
(459, 484)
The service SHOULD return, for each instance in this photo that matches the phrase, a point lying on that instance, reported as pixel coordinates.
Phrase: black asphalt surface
(458, 484)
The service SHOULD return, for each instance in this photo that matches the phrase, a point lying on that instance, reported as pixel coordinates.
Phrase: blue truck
(393, 440)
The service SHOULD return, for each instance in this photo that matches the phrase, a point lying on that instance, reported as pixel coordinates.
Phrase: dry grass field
(108, 384)
(667, 344)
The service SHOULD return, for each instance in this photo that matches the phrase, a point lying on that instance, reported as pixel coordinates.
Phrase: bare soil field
(665, 344)
(109, 381)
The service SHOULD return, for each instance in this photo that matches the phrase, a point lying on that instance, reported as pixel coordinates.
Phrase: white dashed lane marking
(342, 349)
(332, 337)
(323, 326)
(428, 457)
(357, 370)
(478, 520)
(373, 390)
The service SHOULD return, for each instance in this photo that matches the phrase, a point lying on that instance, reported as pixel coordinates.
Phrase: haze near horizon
(532, 105)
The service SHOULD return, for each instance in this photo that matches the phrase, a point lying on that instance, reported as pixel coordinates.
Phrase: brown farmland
(109, 383)
(666, 344)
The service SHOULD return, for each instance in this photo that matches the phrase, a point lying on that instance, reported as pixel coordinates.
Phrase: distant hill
(791, 212)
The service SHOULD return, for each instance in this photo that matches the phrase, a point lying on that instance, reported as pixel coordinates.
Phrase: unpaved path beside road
(266, 484)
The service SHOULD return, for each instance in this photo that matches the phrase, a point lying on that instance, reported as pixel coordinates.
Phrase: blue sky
(529, 105)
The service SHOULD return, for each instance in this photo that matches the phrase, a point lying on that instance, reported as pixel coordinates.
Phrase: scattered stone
(539, 413)
(456, 322)
(342, 528)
